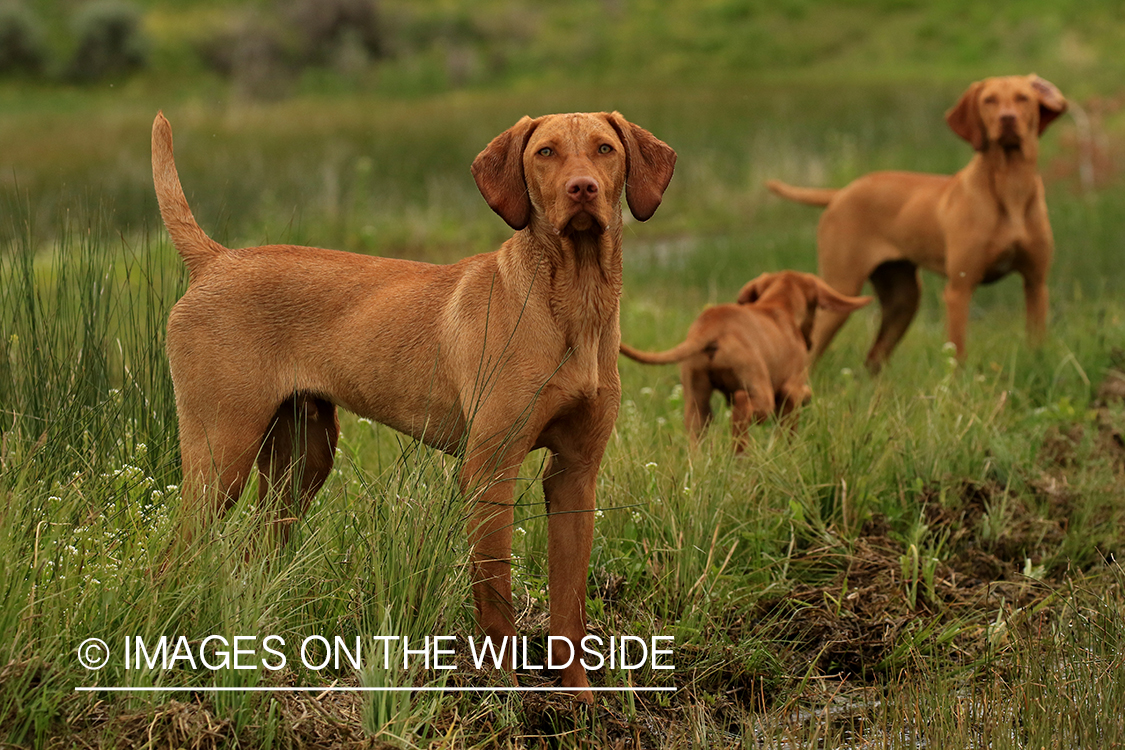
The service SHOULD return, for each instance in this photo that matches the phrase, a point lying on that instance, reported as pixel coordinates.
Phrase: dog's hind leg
(899, 290)
(217, 461)
(296, 457)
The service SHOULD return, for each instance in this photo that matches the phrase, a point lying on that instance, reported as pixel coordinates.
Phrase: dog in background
(488, 358)
(974, 227)
(755, 352)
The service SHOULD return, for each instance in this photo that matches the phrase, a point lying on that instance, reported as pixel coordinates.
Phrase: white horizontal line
(337, 689)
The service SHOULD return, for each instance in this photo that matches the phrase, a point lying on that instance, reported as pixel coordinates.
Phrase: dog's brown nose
(582, 189)
(1008, 119)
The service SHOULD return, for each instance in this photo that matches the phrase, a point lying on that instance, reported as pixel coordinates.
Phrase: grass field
(931, 560)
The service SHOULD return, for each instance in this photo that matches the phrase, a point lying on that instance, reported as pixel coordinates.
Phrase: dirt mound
(892, 598)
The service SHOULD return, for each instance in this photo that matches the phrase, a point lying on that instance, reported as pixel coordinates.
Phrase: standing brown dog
(488, 358)
(973, 228)
(755, 352)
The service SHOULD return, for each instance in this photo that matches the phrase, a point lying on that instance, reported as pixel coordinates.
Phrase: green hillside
(429, 45)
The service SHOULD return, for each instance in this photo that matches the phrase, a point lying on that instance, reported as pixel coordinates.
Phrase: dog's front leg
(741, 417)
(569, 488)
(487, 478)
(958, 294)
(794, 394)
(1035, 298)
(696, 384)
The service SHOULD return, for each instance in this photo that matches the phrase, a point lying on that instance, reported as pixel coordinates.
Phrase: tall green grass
(89, 501)
(835, 562)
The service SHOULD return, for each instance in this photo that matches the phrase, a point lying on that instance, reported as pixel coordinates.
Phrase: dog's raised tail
(808, 196)
(193, 244)
(675, 354)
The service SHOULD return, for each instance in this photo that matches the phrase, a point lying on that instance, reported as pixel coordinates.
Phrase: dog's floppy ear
(649, 163)
(820, 296)
(828, 298)
(964, 117)
(1051, 101)
(498, 171)
(754, 289)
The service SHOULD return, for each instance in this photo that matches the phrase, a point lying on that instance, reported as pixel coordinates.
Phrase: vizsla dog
(488, 358)
(974, 227)
(755, 352)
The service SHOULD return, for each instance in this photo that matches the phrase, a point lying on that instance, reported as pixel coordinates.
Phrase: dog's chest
(1011, 243)
(583, 328)
(580, 374)
(1001, 265)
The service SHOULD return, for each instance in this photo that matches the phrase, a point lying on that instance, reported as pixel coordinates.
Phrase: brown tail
(194, 246)
(808, 196)
(675, 354)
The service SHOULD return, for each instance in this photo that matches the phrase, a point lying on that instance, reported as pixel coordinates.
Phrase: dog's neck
(1025, 154)
(1011, 174)
(582, 271)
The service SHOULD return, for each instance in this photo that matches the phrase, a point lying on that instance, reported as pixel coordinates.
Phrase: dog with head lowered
(489, 358)
(755, 352)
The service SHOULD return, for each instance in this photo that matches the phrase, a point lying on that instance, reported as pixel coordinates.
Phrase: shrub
(263, 51)
(110, 41)
(21, 40)
(255, 54)
(325, 26)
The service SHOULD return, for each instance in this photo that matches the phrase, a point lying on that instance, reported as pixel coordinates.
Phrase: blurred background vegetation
(351, 123)
(270, 48)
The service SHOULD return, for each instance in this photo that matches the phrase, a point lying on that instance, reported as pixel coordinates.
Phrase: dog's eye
(1021, 98)
(545, 151)
(990, 100)
(605, 148)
